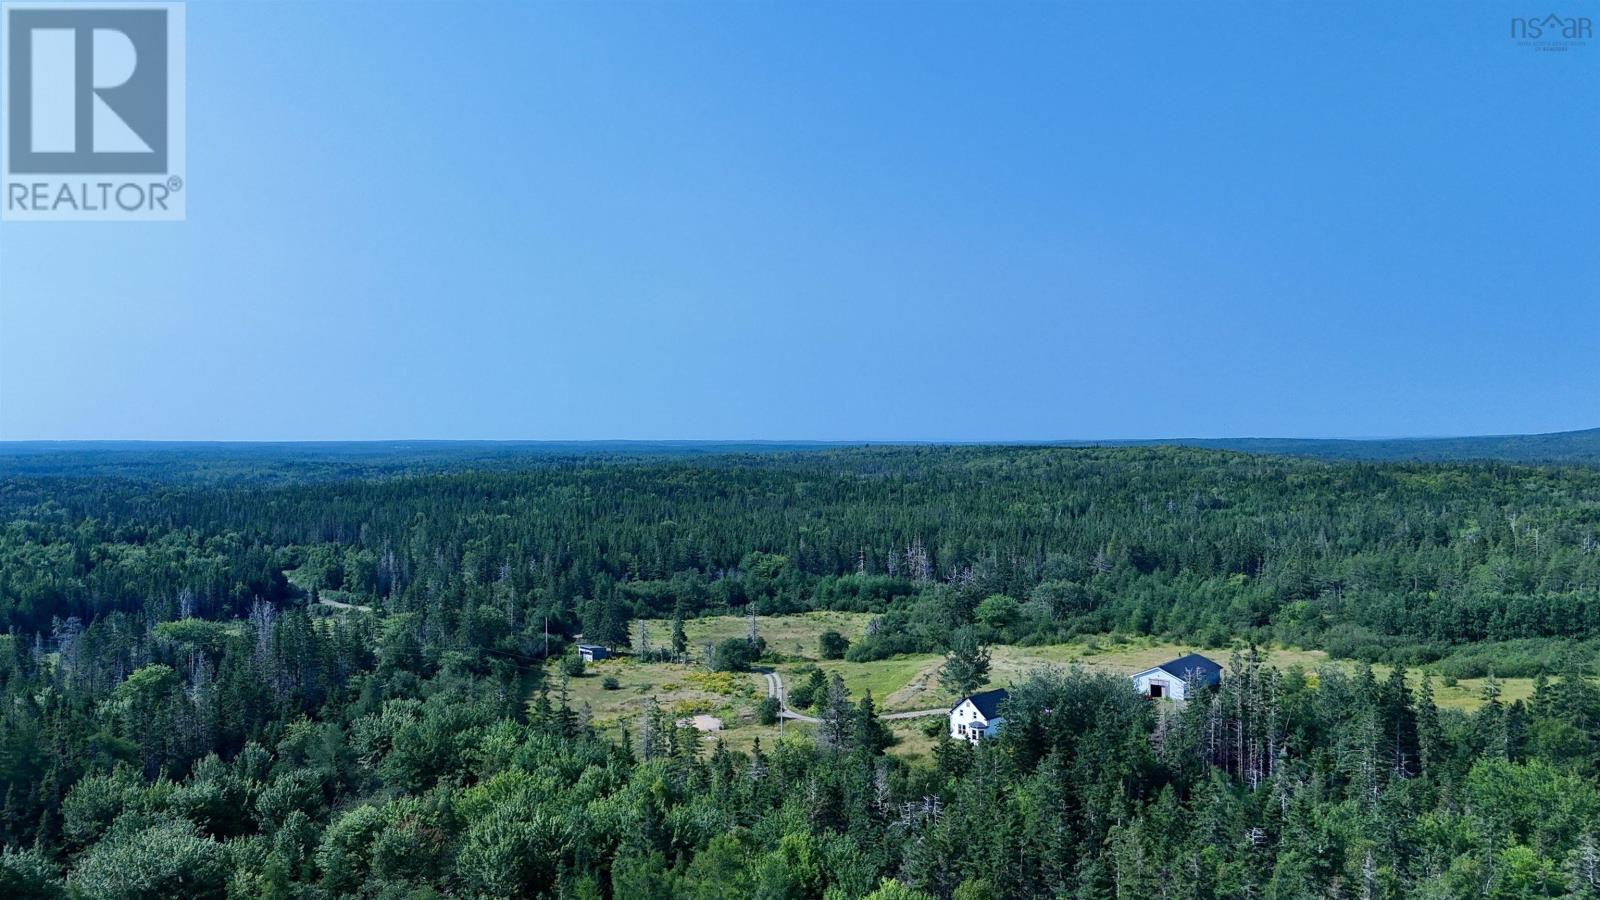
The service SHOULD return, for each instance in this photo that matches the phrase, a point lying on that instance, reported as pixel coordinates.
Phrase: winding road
(775, 689)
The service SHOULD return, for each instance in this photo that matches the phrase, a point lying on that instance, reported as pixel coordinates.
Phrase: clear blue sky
(727, 220)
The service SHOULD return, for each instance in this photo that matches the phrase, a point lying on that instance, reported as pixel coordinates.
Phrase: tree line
(180, 715)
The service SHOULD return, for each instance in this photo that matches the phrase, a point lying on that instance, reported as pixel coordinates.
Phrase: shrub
(767, 711)
(197, 634)
(683, 709)
(572, 664)
(997, 611)
(833, 645)
(610, 683)
(1347, 641)
(727, 683)
(1522, 658)
(809, 686)
(800, 696)
(885, 644)
(734, 655)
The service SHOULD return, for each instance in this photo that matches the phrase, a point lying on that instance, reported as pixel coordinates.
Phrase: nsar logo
(1552, 33)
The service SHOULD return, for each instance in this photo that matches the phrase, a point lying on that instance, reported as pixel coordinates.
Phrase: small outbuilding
(1176, 680)
(592, 652)
(978, 716)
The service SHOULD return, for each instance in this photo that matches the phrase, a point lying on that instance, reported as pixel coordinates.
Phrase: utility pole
(547, 637)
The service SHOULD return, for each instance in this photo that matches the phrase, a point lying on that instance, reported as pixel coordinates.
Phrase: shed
(1177, 679)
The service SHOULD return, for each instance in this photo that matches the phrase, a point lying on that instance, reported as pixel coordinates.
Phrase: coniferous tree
(838, 718)
(1399, 722)
(1489, 724)
(1430, 739)
(867, 731)
(680, 640)
(166, 695)
(966, 664)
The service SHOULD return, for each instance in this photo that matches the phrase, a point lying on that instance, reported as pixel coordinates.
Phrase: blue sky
(829, 221)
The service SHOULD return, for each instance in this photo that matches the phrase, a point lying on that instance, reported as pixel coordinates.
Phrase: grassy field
(897, 684)
(682, 690)
(911, 682)
(1466, 695)
(794, 635)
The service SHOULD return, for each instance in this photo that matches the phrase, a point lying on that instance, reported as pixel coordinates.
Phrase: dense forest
(182, 717)
(1553, 447)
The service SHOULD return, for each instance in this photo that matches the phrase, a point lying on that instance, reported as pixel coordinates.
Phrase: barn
(592, 652)
(1177, 679)
(978, 716)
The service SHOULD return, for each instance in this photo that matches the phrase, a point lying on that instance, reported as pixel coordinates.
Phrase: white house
(1174, 680)
(978, 716)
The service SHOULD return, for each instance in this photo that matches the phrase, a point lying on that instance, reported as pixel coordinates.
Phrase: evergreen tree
(680, 640)
(1430, 738)
(1398, 719)
(867, 731)
(1489, 724)
(838, 718)
(966, 664)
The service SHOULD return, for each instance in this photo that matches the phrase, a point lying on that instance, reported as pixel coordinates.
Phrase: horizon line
(823, 442)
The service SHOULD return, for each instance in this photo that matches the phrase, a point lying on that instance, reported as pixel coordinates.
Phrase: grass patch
(680, 689)
(887, 679)
(793, 635)
(900, 683)
(911, 742)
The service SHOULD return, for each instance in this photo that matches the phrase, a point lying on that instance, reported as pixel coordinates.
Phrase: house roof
(988, 702)
(1192, 665)
(590, 647)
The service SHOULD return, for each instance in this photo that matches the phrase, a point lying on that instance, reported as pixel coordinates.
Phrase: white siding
(967, 724)
(964, 715)
(1171, 687)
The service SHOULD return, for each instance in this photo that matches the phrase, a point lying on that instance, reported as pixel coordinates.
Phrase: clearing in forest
(909, 682)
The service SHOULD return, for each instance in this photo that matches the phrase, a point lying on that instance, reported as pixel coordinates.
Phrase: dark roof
(1193, 665)
(590, 647)
(988, 702)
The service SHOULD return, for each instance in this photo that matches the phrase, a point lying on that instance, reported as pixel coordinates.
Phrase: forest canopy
(337, 684)
(1191, 544)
